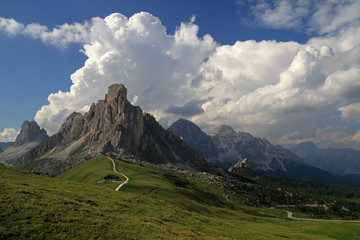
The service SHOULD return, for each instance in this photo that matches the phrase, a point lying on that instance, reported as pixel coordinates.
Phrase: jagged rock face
(114, 122)
(113, 126)
(232, 148)
(261, 154)
(30, 132)
(194, 137)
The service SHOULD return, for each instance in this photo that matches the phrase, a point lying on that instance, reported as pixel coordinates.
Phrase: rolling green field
(155, 204)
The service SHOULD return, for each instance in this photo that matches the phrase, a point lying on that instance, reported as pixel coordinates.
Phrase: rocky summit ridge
(114, 127)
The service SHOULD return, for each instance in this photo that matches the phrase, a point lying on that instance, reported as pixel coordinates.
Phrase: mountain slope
(114, 127)
(194, 137)
(29, 137)
(336, 161)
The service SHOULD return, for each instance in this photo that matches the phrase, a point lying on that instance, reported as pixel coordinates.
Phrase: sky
(285, 70)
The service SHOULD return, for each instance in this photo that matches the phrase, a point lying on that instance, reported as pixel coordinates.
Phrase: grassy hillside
(155, 204)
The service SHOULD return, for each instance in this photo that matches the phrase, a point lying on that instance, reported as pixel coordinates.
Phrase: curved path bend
(114, 168)
(290, 215)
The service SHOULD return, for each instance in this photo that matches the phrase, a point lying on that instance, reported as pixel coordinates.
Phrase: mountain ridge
(262, 156)
(337, 161)
(113, 127)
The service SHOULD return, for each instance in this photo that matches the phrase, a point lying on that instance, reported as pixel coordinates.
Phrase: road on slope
(114, 168)
(290, 215)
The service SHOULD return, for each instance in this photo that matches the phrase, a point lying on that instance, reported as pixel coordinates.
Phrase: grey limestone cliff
(113, 127)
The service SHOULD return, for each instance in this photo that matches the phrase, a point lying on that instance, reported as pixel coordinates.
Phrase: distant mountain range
(225, 148)
(4, 145)
(337, 161)
(115, 127)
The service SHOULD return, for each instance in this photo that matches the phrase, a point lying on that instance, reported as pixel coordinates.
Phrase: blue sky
(287, 70)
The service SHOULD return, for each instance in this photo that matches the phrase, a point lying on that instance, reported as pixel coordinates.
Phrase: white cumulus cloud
(10, 26)
(351, 112)
(8, 135)
(155, 67)
(322, 17)
(281, 13)
(60, 36)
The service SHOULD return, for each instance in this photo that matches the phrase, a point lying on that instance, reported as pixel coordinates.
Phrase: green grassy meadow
(155, 204)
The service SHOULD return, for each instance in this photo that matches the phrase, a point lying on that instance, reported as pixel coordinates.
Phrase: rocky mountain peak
(114, 127)
(116, 92)
(194, 137)
(183, 127)
(30, 132)
(223, 130)
(307, 145)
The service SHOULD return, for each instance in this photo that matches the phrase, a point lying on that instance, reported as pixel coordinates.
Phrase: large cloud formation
(286, 91)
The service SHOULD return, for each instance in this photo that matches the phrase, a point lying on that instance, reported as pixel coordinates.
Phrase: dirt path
(290, 215)
(114, 168)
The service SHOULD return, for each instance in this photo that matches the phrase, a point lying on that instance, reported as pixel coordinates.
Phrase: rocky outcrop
(240, 166)
(112, 127)
(29, 137)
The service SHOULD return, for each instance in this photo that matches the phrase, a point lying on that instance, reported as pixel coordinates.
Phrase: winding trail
(114, 168)
(290, 215)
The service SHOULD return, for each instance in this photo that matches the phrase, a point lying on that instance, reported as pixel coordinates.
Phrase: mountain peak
(30, 132)
(223, 130)
(225, 127)
(307, 144)
(115, 127)
(193, 136)
(116, 92)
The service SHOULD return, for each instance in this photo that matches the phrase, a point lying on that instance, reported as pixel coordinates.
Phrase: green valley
(157, 203)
